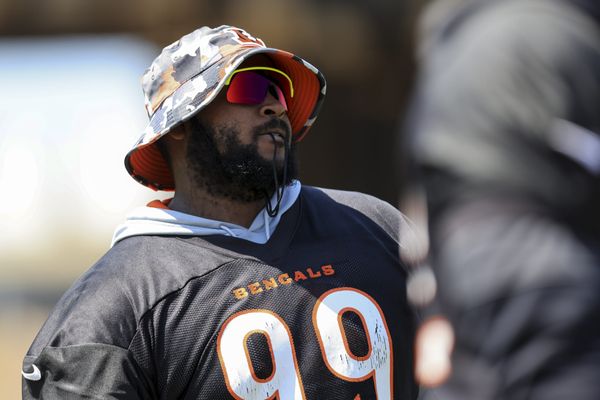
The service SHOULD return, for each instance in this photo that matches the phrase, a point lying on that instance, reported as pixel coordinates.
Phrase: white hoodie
(158, 221)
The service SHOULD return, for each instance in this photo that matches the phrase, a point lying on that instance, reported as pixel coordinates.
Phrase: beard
(236, 172)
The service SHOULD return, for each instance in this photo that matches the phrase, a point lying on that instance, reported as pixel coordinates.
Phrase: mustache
(271, 125)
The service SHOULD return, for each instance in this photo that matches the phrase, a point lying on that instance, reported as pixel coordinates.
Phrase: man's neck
(204, 205)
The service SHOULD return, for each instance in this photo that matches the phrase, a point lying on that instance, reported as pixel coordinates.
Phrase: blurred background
(71, 107)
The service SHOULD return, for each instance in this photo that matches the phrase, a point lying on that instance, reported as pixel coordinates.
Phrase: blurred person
(246, 284)
(505, 132)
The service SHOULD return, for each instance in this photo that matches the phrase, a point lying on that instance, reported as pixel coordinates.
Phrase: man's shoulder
(386, 216)
(365, 203)
(108, 301)
(146, 268)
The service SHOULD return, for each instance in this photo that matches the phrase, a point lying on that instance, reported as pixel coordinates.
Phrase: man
(246, 284)
(506, 129)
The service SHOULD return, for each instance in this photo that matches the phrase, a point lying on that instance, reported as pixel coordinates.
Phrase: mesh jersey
(318, 312)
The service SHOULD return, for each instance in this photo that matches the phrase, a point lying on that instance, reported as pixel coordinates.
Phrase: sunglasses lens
(278, 94)
(251, 88)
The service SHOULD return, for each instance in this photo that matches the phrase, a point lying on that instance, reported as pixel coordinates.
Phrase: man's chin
(278, 163)
(266, 153)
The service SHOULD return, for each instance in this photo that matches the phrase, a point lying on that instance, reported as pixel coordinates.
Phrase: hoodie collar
(164, 221)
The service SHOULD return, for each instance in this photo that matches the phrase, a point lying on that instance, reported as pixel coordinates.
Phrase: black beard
(238, 172)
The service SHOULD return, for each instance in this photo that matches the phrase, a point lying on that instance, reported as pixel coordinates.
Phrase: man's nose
(272, 106)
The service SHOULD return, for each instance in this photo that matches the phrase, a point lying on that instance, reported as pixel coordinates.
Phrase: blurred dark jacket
(505, 131)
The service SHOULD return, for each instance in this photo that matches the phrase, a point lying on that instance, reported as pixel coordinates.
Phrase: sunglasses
(245, 86)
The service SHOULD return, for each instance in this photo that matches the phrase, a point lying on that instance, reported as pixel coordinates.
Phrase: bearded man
(245, 284)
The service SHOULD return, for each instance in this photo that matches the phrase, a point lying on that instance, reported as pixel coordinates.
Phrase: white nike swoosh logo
(36, 375)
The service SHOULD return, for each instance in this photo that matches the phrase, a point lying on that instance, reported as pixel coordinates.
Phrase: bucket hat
(190, 73)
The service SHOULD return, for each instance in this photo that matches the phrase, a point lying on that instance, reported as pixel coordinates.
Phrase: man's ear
(177, 133)
(172, 144)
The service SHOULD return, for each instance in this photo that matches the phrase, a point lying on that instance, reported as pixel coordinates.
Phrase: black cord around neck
(279, 186)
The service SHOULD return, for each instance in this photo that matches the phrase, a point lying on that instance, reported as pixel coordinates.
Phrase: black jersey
(318, 312)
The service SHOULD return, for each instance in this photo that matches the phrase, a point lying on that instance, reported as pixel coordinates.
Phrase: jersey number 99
(285, 381)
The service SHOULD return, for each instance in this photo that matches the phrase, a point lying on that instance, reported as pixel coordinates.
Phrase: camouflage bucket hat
(189, 74)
